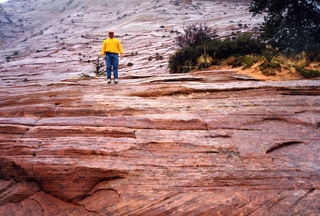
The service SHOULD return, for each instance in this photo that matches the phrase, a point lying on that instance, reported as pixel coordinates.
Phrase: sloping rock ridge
(205, 143)
(197, 148)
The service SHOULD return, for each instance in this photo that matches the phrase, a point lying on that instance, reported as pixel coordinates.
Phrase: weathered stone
(15, 192)
(203, 143)
(195, 152)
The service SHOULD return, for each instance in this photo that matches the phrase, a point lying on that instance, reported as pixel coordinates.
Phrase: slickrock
(149, 147)
(202, 143)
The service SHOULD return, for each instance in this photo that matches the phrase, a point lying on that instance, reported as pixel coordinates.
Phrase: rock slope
(59, 39)
(203, 143)
(164, 145)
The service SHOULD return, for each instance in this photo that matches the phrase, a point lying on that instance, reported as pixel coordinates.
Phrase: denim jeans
(112, 62)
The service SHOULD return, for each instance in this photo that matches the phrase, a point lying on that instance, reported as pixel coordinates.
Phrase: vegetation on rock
(99, 66)
(200, 52)
(215, 50)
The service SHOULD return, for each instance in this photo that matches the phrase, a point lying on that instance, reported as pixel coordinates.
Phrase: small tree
(196, 35)
(99, 66)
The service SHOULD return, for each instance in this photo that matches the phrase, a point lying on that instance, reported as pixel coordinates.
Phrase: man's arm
(103, 49)
(120, 49)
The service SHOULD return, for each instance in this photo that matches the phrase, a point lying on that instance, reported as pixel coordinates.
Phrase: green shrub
(287, 68)
(244, 61)
(187, 66)
(270, 65)
(245, 44)
(307, 73)
(218, 49)
(241, 45)
(278, 60)
(204, 61)
(269, 73)
(268, 55)
(185, 57)
(269, 68)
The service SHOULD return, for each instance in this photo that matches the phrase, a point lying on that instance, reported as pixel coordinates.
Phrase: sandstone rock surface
(150, 147)
(155, 143)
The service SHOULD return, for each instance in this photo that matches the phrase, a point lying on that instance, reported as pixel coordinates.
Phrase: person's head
(111, 34)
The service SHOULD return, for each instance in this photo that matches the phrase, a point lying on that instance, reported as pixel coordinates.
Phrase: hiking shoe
(109, 80)
(115, 80)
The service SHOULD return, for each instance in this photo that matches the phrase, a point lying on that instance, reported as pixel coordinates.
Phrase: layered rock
(204, 143)
(151, 147)
(59, 39)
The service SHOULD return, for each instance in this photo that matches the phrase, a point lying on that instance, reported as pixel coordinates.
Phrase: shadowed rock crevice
(283, 145)
(177, 79)
(309, 192)
(13, 129)
(80, 131)
(185, 91)
(65, 184)
(289, 119)
(15, 183)
(311, 91)
(11, 170)
(76, 185)
(14, 192)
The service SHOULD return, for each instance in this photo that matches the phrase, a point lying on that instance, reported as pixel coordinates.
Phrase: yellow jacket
(111, 45)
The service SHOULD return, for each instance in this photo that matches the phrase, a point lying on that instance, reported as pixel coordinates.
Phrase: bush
(218, 49)
(243, 44)
(187, 56)
(245, 62)
(268, 55)
(187, 66)
(196, 35)
(204, 61)
(268, 68)
(268, 72)
(307, 73)
(270, 65)
(98, 65)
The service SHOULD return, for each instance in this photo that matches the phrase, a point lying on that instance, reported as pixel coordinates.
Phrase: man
(111, 48)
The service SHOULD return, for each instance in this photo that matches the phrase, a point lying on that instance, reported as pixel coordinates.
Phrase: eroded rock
(210, 148)
(203, 143)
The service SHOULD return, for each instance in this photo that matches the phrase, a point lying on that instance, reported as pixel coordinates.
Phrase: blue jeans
(112, 62)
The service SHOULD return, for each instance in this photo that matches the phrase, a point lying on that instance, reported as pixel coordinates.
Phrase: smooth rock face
(208, 143)
(197, 148)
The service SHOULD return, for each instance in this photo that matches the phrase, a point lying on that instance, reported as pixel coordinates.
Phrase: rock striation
(202, 143)
(151, 147)
(49, 40)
